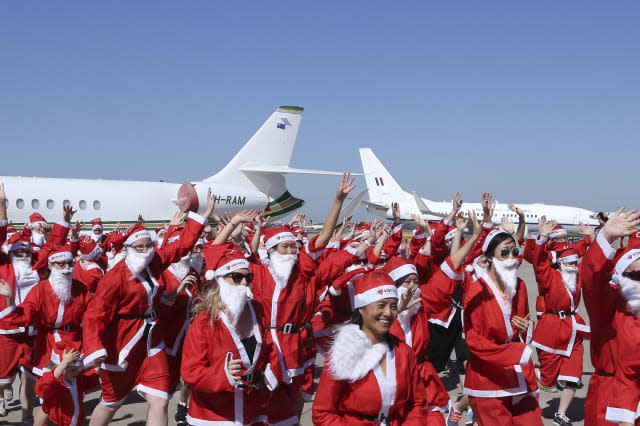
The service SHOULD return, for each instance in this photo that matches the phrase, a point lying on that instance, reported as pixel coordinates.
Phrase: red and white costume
(62, 400)
(87, 270)
(354, 389)
(560, 330)
(121, 319)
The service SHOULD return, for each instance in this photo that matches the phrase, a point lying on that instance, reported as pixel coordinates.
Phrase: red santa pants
(600, 389)
(554, 367)
(15, 351)
(503, 411)
(151, 375)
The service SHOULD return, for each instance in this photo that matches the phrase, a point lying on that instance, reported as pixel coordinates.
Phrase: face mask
(96, 237)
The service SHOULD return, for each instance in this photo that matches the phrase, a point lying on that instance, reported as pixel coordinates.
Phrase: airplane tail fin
(381, 185)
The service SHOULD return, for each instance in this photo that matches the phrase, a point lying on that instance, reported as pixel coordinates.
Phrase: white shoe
(3, 410)
(8, 394)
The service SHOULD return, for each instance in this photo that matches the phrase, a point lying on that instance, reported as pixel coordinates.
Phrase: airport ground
(134, 409)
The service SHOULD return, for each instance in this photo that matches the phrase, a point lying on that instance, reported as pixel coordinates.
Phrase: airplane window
(66, 203)
(50, 204)
(96, 205)
(35, 203)
(20, 203)
(82, 204)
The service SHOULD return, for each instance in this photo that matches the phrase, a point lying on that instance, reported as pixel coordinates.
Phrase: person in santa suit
(55, 307)
(226, 353)
(369, 376)
(610, 283)
(88, 268)
(560, 330)
(500, 380)
(119, 323)
(62, 390)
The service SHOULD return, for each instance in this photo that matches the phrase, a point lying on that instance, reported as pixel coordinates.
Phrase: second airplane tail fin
(381, 185)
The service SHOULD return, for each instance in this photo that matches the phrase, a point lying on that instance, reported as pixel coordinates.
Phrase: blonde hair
(209, 302)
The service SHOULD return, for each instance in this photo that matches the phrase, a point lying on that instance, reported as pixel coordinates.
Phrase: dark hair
(491, 248)
(400, 280)
(356, 318)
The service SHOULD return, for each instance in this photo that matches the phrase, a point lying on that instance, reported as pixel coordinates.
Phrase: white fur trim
(143, 391)
(541, 240)
(269, 378)
(352, 355)
(60, 256)
(88, 360)
(209, 275)
(232, 266)
(6, 311)
(279, 238)
(526, 356)
(446, 269)
(607, 249)
(403, 270)
(334, 292)
(137, 236)
(490, 236)
(374, 294)
(619, 415)
(568, 259)
(195, 216)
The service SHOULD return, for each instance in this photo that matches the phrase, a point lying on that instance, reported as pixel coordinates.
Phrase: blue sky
(533, 101)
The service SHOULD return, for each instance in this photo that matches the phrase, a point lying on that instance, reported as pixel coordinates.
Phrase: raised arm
(459, 256)
(237, 220)
(344, 188)
(521, 222)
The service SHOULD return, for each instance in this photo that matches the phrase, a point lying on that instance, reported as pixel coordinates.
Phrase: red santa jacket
(88, 273)
(560, 326)
(353, 389)
(125, 305)
(527, 254)
(499, 362)
(412, 327)
(215, 395)
(62, 400)
(53, 320)
(437, 294)
(175, 317)
(390, 247)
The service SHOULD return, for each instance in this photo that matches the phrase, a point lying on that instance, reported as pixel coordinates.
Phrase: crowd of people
(233, 315)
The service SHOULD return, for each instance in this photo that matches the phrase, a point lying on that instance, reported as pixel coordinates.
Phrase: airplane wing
(286, 169)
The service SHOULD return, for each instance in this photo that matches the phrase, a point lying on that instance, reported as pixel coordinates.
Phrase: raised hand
(477, 226)
(345, 187)
(507, 225)
(586, 230)
(75, 229)
(621, 224)
(244, 216)
(395, 211)
(178, 218)
(419, 221)
(294, 219)
(457, 202)
(461, 223)
(140, 219)
(405, 301)
(69, 357)
(302, 221)
(515, 209)
(211, 204)
(67, 213)
(546, 228)
(3, 196)
(487, 208)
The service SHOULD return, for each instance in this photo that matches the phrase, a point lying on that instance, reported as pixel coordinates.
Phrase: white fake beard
(96, 237)
(137, 262)
(60, 280)
(197, 260)
(181, 268)
(631, 291)
(569, 277)
(21, 265)
(507, 270)
(37, 238)
(281, 266)
(234, 298)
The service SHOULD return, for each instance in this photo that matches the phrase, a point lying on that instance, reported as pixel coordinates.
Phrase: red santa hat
(558, 231)
(567, 256)
(364, 230)
(371, 287)
(135, 233)
(96, 224)
(60, 254)
(11, 230)
(490, 236)
(223, 259)
(397, 268)
(16, 242)
(634, 240)
(627, 257)
(276, 235)
(89, 249)
(36, 219)
(159, 230)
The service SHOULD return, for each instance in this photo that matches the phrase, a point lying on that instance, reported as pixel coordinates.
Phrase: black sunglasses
(237, 277)
(361, 262)
(505, 252)
(634, 275)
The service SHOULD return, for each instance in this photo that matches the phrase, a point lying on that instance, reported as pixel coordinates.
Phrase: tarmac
(133, 411)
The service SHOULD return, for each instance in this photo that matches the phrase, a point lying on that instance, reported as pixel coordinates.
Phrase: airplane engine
(192, 196)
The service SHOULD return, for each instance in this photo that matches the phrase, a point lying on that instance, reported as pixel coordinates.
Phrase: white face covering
(234, 298)
(569, 276)
(96, 237)
(37, 238)
(507, 270)
(181, 268)
(197, 260)
(137, 262)
(60, 280)
(631, 291)
(281, 266)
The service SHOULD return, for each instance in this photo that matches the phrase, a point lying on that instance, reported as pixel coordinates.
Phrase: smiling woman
(369, 375)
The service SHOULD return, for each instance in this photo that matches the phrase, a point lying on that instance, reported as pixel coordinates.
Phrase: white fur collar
(352, 355)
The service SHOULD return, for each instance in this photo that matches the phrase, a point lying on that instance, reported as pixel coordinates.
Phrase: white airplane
(254, 179)
(384, 190)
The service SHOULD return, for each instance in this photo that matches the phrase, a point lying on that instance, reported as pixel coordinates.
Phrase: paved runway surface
(133, 410)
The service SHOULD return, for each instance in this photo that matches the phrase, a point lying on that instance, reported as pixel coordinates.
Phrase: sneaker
(181, 414)
(454, 417)
(8, 394)
(470, 419)
(3, 410)
(550, 389)
(561, 420)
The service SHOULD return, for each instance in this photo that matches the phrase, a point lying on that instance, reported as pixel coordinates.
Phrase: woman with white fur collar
(500, 381)
(369, 376)
(614, 309)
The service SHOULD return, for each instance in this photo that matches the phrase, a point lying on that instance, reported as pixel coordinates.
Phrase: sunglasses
(237, 277)
(361, 262)
(505, 252)
(63, 264)
(141, 247)
(634, 275)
